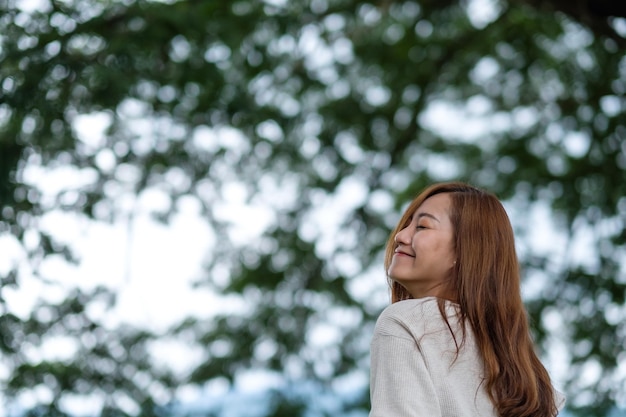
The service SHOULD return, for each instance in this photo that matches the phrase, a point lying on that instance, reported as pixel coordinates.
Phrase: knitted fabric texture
(415, 371)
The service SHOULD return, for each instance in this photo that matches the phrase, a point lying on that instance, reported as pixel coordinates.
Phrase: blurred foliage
(298, 106)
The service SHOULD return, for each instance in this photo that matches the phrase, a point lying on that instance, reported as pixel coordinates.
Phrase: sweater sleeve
(400, 384)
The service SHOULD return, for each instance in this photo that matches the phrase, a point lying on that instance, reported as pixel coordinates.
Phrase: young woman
(455, 341)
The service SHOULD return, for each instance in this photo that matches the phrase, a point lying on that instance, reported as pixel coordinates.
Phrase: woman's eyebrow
(423, 214)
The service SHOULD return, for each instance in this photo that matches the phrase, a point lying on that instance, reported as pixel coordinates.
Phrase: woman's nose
(402, 237)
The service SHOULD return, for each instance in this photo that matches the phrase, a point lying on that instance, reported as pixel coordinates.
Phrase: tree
(326, 114)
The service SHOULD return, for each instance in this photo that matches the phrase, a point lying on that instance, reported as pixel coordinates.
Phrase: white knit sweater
(413, 368)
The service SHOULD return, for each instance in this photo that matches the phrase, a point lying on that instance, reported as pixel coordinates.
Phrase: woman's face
(424, 253)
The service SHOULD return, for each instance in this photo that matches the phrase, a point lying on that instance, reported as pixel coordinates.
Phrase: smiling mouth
(399, 252)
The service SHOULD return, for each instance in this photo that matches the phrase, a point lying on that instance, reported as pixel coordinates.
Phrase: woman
(455, 341)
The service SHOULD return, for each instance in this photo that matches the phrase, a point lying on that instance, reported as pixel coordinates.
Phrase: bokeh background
(195, 194)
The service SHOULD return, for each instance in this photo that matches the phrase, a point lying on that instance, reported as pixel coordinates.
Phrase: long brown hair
(486, 285)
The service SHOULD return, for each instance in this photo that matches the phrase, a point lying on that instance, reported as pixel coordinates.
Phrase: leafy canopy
(324, 117)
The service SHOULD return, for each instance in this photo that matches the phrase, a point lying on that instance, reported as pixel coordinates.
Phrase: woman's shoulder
(409, 307)
(415, 316)
(419, 307)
